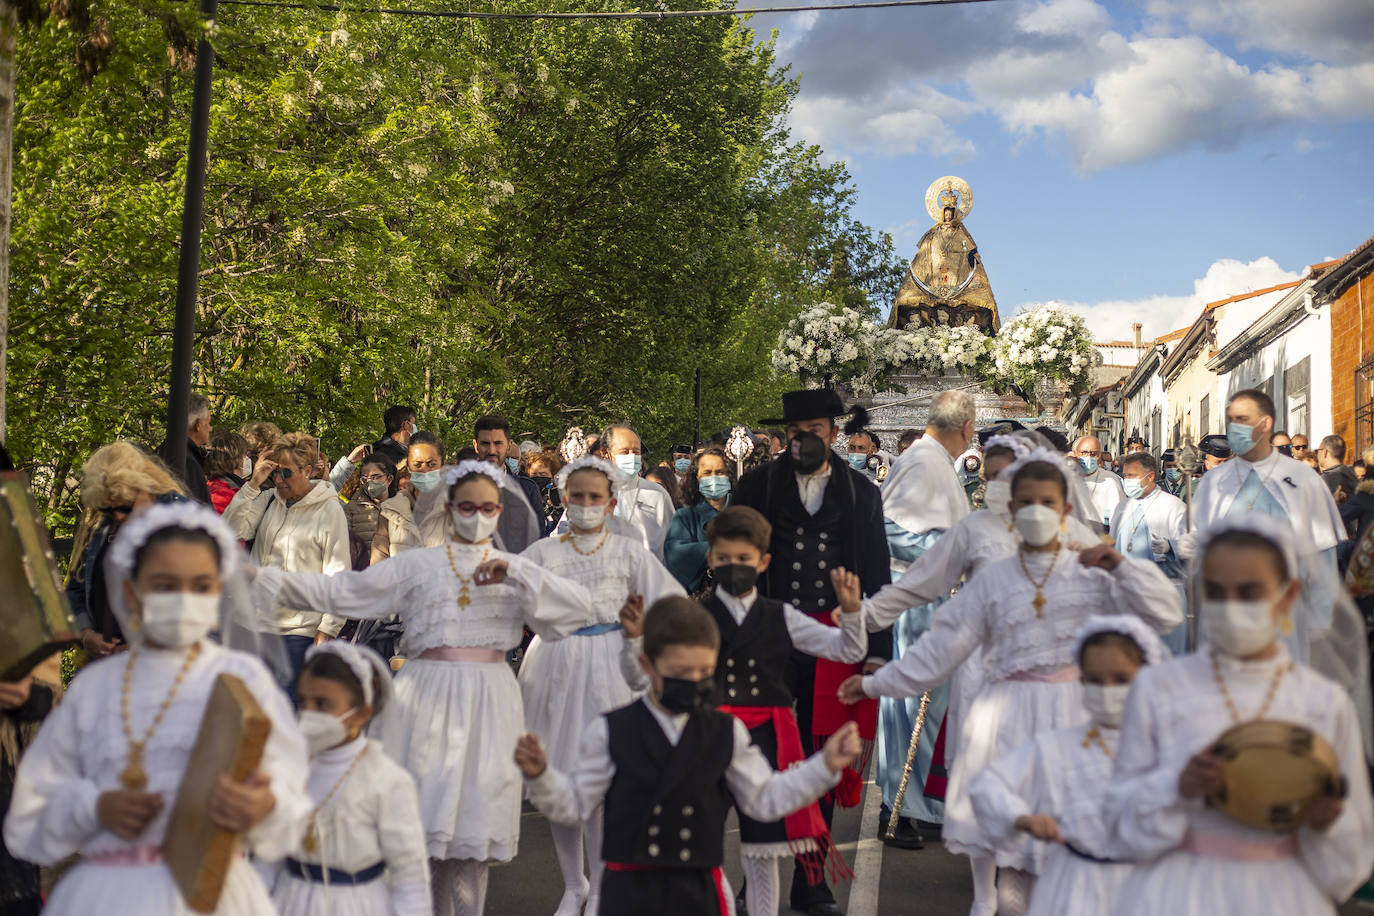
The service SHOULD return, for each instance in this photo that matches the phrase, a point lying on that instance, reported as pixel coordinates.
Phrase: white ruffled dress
(80, 752)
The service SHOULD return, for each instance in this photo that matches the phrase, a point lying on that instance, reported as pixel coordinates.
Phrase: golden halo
(948, 183)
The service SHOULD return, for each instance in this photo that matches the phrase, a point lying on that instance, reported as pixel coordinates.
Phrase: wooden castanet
(35, 618)
(1274, 772)
(233, 734)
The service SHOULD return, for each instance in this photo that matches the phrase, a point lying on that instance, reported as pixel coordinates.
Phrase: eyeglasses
(283, 473)
(487, 509)
(376, 478)
(116, 510)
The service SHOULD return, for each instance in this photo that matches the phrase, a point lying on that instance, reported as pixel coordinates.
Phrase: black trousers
(660, 892)
(801, 680)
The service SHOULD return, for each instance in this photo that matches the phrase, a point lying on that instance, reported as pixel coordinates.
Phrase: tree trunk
(9, 27)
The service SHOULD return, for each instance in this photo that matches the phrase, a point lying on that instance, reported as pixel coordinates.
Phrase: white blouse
(620, 568)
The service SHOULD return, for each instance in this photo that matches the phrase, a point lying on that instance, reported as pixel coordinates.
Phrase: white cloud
(902, 123)
(1332, 30)
(1160, 314)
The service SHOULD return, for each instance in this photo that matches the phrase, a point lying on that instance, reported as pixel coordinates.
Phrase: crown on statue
(949, 198)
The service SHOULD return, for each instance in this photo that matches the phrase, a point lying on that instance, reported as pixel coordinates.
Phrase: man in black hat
(824, 514)
(1216, 451)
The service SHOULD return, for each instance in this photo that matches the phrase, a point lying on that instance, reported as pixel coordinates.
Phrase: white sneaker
(983, 909)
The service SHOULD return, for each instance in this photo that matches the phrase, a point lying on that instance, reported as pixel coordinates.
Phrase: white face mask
(1037, 525)
(476, 527)
(246, 469)
(1238, 628)
(1104, 704)
(997, 497)
(586, 518)
(321, 730)
(178, 619)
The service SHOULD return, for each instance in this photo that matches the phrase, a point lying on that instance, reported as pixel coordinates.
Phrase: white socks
(459, 886)
(567, 842)
(761, 887)
(1014, 888)
(984, 886)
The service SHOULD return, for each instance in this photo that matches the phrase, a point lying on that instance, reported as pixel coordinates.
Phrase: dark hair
(466, 453)
(1126, 644)
(1335, 447)
(908, 437)
(998, 451)
(492, 422)
(396, 417)
(177, 534)
(667, 479)
(427, 438)
(740, 523)
(872, 437)
(1246, 540)
(1144, 459)
(678, 621)
(1279, 432)
(777, 434)
(1041, 470)
(1057, 440)
(1263, 401)
(331, 667)
(470, 476)
(691, 491)
(225, 454)
(384, 464)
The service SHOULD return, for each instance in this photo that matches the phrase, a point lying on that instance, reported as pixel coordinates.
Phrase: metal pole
(696, 440)
(188, 268)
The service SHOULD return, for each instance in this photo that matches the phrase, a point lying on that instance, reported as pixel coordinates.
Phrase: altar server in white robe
(362, 852)
(1104, 487)
(1262, 480)
(922, 500)
(975, 541)
(1023, 612)
(1052, 787)
(103, 773)
(1195, 859)
(567, 684)
(1147, 525)
(463, 605)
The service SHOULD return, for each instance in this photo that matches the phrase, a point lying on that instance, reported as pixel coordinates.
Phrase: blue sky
(1132, 159)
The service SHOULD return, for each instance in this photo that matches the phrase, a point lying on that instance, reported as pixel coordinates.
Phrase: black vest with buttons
(666, 805)
(805, 549)
(753, 654)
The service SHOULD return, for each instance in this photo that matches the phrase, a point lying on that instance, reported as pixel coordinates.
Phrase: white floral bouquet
(1045, 343)
(828, 342)
(963, 351)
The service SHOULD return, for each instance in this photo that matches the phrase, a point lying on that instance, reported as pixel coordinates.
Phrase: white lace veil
(238, 625)
(1028, 445)
(518, 517)
(1329, 632)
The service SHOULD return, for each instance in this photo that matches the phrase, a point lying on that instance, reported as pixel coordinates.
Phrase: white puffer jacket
(310, 536)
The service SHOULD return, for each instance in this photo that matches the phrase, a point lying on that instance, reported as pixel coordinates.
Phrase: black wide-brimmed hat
(810, 404)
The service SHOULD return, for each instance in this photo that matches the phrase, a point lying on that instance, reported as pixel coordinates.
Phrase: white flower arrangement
(827, 341)
(1046, 343)
(961, 351)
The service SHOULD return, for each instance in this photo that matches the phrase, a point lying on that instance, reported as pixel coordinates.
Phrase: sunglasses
(467, 508)
(283, 473)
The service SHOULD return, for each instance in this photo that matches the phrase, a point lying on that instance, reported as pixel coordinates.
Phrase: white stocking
(567, 842)
(1014, 888)
(459, 885)
(761, 885)
(593, 831)
(984, 886)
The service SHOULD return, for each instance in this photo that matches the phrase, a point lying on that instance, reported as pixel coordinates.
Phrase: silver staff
(906, 770)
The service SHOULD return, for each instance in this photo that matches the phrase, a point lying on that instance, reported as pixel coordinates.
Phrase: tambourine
(1273, 773)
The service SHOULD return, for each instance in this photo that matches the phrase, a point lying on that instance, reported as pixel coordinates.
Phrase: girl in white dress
(1024, 612)
(1052, 787)
(1195, 859)
(102, 775)
(457, 704)
(363, 849)
(567, 684)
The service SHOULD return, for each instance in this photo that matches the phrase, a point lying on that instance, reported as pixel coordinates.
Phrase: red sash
(937, 780)
(828, 716)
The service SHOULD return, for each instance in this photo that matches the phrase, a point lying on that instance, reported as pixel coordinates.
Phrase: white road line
(868, 858)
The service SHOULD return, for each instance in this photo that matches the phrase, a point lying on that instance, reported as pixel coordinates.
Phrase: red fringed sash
(828, 715)
(937, 781)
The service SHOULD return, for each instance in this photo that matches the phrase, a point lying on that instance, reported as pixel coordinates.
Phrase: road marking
(868, 858)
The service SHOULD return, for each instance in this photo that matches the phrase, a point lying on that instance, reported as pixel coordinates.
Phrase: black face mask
(736, 578)
(680, 696)
(808, 452)
(543, 482)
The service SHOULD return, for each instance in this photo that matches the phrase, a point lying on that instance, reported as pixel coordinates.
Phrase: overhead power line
(627, 14)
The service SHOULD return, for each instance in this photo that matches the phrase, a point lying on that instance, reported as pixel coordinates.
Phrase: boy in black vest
(668, 767)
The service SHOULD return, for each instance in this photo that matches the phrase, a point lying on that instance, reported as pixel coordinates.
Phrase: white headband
(140, 528)
(362, 661)
(592, 463)
(466, 468)
(1127, 625)
(1040, 453)
(1261, 526)
(1020, 446)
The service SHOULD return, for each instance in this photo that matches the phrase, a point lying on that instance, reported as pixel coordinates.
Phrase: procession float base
(893, 412)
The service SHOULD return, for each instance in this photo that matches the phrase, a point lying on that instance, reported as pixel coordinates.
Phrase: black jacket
(390, 449)
(193, 474)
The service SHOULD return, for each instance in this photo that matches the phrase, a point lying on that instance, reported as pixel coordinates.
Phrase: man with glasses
(1104, 487)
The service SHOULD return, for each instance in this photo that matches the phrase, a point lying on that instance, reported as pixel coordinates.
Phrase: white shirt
(811, 487)
(760, 792)
(1158, 516)
(642, 512)
(922, 491)
(1297, 488)
(1106, 491)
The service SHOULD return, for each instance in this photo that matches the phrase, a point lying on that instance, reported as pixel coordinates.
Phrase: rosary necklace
(133, 775)
(311, 841)
(571, 539)
(1094, 735)
(464, 595)
(1268, 699)
(1039, 602)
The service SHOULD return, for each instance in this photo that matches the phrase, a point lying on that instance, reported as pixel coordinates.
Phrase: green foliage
(559, 221)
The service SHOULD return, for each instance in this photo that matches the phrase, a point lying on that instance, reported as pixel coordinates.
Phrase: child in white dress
(463, 604)
(101, 778)
(1052, 787)
(568, 683)
(1024, 612)
(1195, 861)
(363, 849)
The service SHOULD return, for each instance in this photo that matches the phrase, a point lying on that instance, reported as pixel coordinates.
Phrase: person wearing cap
(1260, 480)
(1104, 487)
(1170, 474)
(824, 515)
(682, 461)
(1216, 451)
(1147, 525)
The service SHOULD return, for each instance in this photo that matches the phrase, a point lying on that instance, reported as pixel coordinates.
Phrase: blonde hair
(118, 473)
(302, 448)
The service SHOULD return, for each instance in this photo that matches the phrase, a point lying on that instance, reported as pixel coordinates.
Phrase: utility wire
(628, 14)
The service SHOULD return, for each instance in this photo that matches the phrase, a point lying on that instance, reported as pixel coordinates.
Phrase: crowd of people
(1039, 643)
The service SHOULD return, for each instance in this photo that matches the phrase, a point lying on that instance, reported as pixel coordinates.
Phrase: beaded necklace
(464, 595)
(1039, 602)
(1226, 694)
(311, 841)
(571, 540)
(133, 776)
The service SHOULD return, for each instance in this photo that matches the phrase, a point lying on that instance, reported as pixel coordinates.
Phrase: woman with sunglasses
(116, 481)
(463, 603)
(298, 525)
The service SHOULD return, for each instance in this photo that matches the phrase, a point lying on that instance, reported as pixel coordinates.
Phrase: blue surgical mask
(424, 481)
(1240, 437)
(629, 464)
(1087, 465)
(858, 461)
(1134, 487)
(682, 465)
(513, 465)
(714, 487)
(1173, 475)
